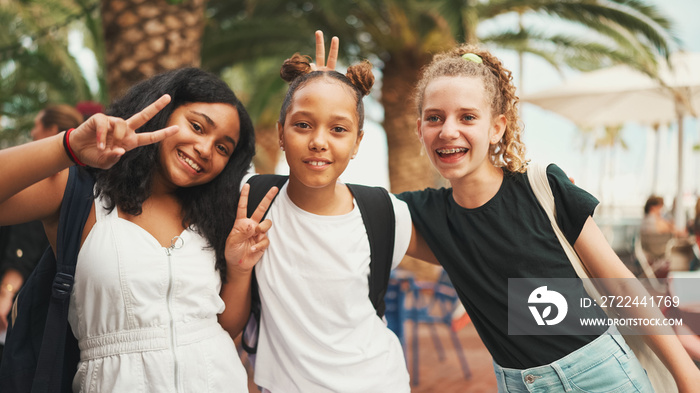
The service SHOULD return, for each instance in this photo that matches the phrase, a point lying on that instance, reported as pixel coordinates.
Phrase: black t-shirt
(510, 236)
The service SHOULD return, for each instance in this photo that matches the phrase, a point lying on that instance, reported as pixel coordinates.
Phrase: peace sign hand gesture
(248, 238)
(115, 136)
(321, 64)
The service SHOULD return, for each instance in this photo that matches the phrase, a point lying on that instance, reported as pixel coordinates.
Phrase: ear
(280, 135)
(357, 143)
(419, 131)
(54, 129)
(498, 128)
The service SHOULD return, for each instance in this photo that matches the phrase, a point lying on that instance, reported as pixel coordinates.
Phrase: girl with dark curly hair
(156, 277)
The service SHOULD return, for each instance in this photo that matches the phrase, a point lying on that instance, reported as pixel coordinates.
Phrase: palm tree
(35, 63)
(401, 37)
(256, 89)
(143, 38)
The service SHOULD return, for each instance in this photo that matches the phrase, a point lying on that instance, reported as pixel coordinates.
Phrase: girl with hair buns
(489, 227)
(319, 331)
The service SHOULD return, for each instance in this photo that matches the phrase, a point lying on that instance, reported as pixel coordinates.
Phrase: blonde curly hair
(509, 152)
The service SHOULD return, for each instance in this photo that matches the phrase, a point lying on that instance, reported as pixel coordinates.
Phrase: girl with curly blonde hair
(489, 228)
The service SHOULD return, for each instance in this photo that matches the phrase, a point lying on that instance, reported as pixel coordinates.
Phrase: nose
(450, 129)
(204, 147)
(319, 141)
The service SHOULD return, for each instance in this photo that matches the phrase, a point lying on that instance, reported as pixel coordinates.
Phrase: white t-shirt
(319, 330)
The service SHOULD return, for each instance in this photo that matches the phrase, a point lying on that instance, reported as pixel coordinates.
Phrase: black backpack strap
(259, 186)
(75, 208)
(380, 222)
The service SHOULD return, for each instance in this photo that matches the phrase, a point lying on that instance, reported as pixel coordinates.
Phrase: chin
(315, 183)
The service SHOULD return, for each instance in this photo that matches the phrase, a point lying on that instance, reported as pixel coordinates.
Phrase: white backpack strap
(537, 175)
(659, 376)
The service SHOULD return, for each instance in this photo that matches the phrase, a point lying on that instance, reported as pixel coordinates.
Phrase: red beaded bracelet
(69, 151)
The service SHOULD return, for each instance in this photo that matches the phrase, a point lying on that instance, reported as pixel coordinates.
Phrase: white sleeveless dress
(145, 316)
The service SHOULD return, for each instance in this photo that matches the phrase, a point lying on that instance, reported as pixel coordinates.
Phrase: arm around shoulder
(418, 248)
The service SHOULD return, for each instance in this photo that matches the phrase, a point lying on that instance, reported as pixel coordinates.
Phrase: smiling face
(457, 127)
(320, 133)
(201, 149)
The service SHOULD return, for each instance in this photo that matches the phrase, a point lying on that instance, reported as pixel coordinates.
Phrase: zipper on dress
(175, 243)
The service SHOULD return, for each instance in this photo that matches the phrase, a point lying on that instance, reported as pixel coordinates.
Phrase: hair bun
(361, 76)
(295, 66)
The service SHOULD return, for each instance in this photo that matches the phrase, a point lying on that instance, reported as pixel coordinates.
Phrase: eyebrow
(436, 109)
(211, 123)
(228, 138)
(334, 117)
(207, 118)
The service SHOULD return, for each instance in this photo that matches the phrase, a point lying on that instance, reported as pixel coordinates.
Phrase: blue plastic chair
(394, 300)
(433, 304)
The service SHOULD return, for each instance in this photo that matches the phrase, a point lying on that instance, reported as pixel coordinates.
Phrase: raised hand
(248, 238)
(101, 140)
(321, 64)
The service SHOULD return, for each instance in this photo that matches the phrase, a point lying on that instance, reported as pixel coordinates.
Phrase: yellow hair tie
(472, 57)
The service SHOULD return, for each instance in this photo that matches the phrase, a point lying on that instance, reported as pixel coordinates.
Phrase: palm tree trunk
(409, 167)
(144, 38)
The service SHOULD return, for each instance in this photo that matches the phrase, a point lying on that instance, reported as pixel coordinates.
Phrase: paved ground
(446, 376)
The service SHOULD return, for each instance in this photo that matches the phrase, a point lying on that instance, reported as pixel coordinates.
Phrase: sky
(625, 182)
(551, 138)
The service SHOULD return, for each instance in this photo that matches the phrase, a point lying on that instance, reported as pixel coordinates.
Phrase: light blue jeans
(606, 364)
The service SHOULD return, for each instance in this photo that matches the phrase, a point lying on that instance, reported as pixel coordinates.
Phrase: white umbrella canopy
(621, 94)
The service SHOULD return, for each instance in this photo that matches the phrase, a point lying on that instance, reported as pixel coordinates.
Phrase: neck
(160, 188)
(162, 193)
(331, 200)
(474, 191)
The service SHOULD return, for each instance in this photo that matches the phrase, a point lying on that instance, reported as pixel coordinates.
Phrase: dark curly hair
(209, 207)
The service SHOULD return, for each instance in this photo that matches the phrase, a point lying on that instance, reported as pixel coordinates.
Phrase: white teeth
(190, 162)
(317, 163)
(452, 151)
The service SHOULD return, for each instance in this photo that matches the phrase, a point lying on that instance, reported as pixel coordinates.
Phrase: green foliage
(582, 34)
(253, 37)
(36, 67)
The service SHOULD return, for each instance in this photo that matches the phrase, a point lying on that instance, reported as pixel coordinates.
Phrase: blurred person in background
(654, 221)
(21, 246)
